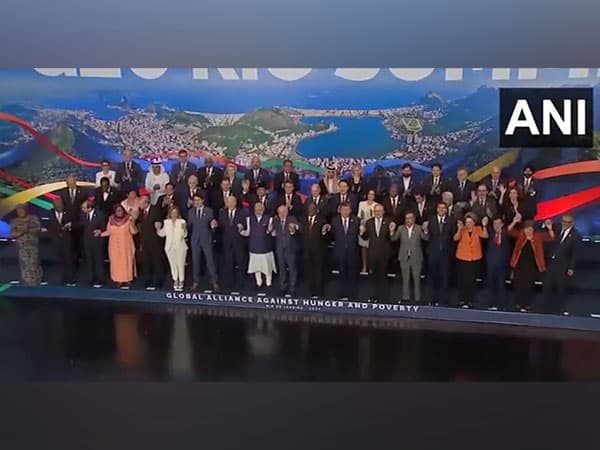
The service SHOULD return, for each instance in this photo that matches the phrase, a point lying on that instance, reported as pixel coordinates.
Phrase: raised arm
(246, 231)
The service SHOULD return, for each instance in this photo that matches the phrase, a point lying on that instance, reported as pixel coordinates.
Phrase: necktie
(436, 181)
(72, 195)
(563, 235)
(343, 198)
(394, 204)
(441, 224)
(282, 224)
(378, 227)
(482, 202)
(289, 199)
(421, 209)
(316, 200)
(231, 212)
(312, 221)
(498, 239)
(255, 174)
(526, 184)
(494, 184)
(287, 176)
(462, 185)
(345, 226)
(197, 212)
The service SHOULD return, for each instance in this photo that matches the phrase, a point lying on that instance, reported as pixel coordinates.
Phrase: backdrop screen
(56, 122)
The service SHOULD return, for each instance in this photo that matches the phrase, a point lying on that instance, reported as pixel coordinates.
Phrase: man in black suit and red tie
(256, 174)
(315, 246)
(560, 269)
(232, 218)
(209, 176)
(60, 229)
(344, 230)
(287, 174)
(291, 199)
(377, 231)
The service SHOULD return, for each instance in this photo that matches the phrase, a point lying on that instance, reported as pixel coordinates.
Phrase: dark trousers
(151, 261)
(287, 268)
(64, 260)
(314, 268)
(348, 265)
(93, 256)
(199, 251)
(438, 268)
(466, 275)
(523, 283)
(234, 265)
(496, 285)
(555, 288)
(379, 269)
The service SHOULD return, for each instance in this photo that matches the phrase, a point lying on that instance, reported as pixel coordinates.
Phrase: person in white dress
(174, 230)
(259, 229)
(366, 210)
(106, 173)
(156, 180)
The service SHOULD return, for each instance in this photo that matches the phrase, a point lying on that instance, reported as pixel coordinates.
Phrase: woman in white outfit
(174, 229)
(365, 212)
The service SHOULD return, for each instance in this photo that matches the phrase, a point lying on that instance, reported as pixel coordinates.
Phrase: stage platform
(358, 309)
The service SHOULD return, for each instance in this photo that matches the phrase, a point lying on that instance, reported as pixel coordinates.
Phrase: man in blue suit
(201, 223)
(285, 230)
(497, 262)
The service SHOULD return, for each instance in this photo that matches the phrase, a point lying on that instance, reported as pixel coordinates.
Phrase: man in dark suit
(209, 176)
(394, 205)
(379, 182)
(129, 174)
(60, 229)
(344, 230)
(314, 245)
(483, 205)
(377, 231)
(562, 252)
(285, 230)
(407, 184)
(184, 194)
(256, 174)
(440, 251)
(462, 188)
(72, 197)
(422, 208)
(234, 181)
(201, 223)
(183, 169)
(434, 184)
(168, 199)
(151, 247)
(92, 224)
(493, 182)
(234, 251)
(530, 190)
(218, 199)
(287, 174)
(497, 259)
(319, 200)
(261, 195)
(291, 200)
(106, 197)
(344, 195)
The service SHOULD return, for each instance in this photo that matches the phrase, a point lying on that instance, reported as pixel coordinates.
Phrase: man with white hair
(156, 180)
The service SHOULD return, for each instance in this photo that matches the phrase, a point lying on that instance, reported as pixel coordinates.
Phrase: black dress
(525, 274)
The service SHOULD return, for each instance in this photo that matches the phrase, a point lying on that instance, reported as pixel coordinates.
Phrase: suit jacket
(398, 214)
(200, 231)
(410, 247)
(335, 201)
(147, 230)
(379, 246)
(164, 204)
(133, 181)
(564, 254)
(428, 209)
(359, 188)
(434, 193)
(174, 234)
(489, 208)
(73, 206)
(230, 235)
(184, 198)
(280, 178)
(284, 240)
(57, 231)
(88, 227)
(106, 206)
(297, 207)
(262, 178)
(379, 185)
(441, 242)
(236, 186)
(495, 193)
(322, 205)
(268, 201)
(464, 195)
(530, 198)
(346, 244)
(498, 258)
(211, 183)
(216, 199)
(179, 175)
(407, 193)
(539, 238)
(312, 237)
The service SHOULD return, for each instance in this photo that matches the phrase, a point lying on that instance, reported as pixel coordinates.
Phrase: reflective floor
(67, 340)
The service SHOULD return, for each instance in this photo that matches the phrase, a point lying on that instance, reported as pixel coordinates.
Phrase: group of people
(449, 230)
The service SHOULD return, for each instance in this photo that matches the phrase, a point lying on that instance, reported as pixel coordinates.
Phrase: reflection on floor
(70, 340)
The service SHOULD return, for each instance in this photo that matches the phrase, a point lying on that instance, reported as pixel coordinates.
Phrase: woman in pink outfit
(121, 249)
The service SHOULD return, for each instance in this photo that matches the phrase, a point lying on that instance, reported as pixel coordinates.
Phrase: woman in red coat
(527, 261)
